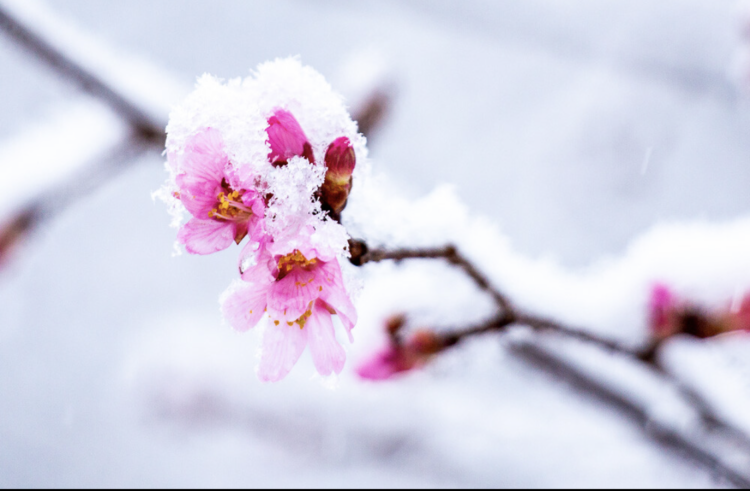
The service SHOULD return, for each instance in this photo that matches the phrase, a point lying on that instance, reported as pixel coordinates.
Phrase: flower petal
(256, 263)
(206, 236)
(286, 138)
(334, 294)
(327, 354)
(205, 158)
(282, 347)
(290, 296)
(245, 306)
(198, 196)
(382, 366)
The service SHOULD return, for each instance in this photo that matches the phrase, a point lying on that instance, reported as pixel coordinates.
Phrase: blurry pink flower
(662, 311)
(300, 295)
(385, 364)
(669, 316)
(398, 357)
(222, 213)
(287, 139)
(340, 161)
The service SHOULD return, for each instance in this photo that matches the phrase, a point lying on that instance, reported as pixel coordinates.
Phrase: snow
(69, 136)
(115, 366)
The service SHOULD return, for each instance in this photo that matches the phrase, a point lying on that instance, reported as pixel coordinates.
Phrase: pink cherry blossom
(299, 293)
(385, 364)
(287, 139)
(223, 211)
(400, 357)
(661, 311)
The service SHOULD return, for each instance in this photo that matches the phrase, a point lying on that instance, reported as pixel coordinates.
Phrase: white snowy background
(590, 148)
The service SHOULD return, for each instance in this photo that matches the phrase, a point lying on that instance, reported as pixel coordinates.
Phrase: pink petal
(290, 297)
(205, 158)
(334, 294)
(206, 236)
(382, 366)
(327, 353)
(198, 196)
(245, 306)
(661, 304)
(282, 346)
(262, 262)
(286, 138)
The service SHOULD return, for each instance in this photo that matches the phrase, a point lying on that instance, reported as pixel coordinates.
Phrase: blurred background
(574, 126)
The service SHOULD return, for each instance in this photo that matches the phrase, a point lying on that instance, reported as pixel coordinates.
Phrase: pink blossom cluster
(282, 193)
(670, 315)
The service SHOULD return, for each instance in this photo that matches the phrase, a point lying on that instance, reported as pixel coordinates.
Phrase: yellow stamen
(294, 260)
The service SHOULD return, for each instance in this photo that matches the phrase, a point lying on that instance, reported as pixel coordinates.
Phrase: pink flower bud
(661, 311)
(340, 161)
(398, 357)
(669, 316)
(287, 139)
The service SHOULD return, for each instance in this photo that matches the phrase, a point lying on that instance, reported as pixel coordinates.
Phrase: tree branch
(509, 315)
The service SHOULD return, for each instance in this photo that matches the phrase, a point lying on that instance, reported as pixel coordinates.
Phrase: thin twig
(361, 254)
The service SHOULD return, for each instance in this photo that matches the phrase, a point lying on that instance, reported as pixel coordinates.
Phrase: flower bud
(287, 139)
(340, 161)
(662, 312)
(400, 357)
(669, 315)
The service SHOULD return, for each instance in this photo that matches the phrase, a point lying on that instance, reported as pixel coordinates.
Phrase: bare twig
(361, 254)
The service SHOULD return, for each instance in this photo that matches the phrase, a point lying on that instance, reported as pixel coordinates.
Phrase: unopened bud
(287, 139)
(662, 312)
(340, 161)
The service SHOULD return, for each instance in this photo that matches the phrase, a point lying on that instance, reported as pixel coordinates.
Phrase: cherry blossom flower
(223, 210)
(241, 164)
(669, 315)
(287, 139)
(298, 292)
(661, 311)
